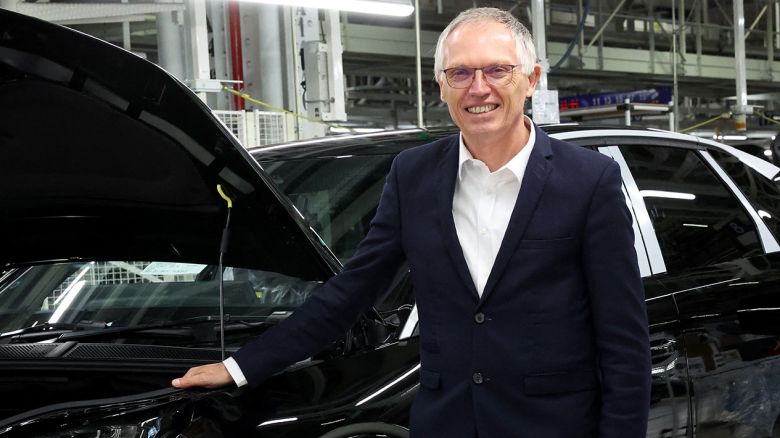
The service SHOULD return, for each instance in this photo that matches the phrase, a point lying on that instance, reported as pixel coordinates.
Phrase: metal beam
(198, 43)
(755, 22)
(540, 40)
(388, 41)
(80, 13)
(418, 63)
(170, 45)
(770, 41)
(604, 25)
(740, 109)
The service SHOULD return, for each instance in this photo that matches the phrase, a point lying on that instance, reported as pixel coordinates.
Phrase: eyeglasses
(462, 77)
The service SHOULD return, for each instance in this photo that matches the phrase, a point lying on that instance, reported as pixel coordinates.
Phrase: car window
(112, 294)
(337, 196)
(763, 193)
(697, 219)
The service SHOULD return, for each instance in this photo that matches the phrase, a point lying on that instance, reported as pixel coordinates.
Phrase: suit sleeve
(337, 305)
(618, 308)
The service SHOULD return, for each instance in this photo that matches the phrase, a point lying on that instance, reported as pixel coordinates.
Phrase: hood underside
(105, 155)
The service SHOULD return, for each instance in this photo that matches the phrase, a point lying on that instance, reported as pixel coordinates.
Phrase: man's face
(483, 44)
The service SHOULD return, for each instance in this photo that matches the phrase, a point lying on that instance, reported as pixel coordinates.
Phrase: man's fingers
(206, 376)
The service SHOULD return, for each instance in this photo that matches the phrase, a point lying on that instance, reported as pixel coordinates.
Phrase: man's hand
(206, 376)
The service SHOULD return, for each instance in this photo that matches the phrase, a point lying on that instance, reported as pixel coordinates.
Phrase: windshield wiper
(62, 331)
(41, 329)
(236, 321)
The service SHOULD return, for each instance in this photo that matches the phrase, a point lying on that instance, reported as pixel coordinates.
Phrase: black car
(706, 219)
(130, 221)
(137, 239)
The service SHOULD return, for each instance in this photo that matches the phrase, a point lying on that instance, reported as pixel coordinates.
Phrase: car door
(670, 412)
(715, 273)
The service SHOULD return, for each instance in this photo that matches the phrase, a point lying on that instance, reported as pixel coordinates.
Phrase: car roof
(387, 142)
(394, 141)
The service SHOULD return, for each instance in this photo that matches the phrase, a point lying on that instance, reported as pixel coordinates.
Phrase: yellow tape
(768, 119)
(224, 196)
(246, 96)
(719, 116)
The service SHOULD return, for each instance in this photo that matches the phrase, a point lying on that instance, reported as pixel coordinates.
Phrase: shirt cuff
(235, 371)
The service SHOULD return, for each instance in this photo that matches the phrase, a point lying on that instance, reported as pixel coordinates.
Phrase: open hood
(104, 155)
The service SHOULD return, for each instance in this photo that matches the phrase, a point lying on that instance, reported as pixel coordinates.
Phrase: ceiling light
(395, 8)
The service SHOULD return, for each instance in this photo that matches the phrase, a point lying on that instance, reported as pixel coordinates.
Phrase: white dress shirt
(482, 205)
(235, 371)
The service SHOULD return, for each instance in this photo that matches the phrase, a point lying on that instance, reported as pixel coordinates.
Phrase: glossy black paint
(730, 318)
(321, 395)
(686, 400)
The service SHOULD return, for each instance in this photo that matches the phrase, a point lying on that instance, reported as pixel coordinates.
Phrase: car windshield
(337, 196)
(114, 294)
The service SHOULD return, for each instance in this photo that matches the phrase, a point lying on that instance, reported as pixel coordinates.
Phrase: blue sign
(653, 95)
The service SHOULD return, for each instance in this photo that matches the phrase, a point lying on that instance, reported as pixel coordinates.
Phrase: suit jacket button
(477, 378)
(479, 318)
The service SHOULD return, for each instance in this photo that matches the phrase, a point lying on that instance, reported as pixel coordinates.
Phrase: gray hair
(526, 52)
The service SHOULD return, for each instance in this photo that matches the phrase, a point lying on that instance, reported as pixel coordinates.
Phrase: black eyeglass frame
(487, 76)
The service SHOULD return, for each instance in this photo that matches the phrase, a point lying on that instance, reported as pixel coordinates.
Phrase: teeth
(481, 109)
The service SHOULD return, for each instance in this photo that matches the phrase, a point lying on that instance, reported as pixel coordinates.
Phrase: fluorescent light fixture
(394, 8)
(696, 225)
(664, 194)
(733, 137)
(762, 213)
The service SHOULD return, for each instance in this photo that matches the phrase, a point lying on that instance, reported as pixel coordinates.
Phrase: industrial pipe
(741, 107)
(236, 57)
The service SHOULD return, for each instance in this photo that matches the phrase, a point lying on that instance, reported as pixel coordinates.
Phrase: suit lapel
(447, 173)
(535, 176)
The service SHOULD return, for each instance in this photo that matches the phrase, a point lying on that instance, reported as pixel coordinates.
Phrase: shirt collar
(516, 165)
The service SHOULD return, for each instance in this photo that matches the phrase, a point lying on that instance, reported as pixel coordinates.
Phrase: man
(532, 317)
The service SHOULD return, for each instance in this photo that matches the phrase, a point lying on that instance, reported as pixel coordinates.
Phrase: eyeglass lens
(461, 77)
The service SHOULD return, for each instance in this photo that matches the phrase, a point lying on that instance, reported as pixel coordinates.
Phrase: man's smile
(481, 109)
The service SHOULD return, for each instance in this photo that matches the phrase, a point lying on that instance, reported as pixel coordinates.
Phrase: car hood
(105, 155)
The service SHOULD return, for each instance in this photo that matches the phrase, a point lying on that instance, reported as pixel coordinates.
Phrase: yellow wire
(246, 96)
(224, 196)
(720, 116)
(768, 119)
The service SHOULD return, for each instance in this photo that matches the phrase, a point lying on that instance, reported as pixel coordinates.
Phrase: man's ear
(441, 88)
(533, 79)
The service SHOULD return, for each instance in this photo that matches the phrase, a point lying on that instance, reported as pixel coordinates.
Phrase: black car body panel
(696, 391)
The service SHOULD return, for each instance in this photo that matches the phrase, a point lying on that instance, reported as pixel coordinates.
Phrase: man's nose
(479, 84)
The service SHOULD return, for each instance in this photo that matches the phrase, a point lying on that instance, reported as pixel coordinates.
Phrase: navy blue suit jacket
(563, 348)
